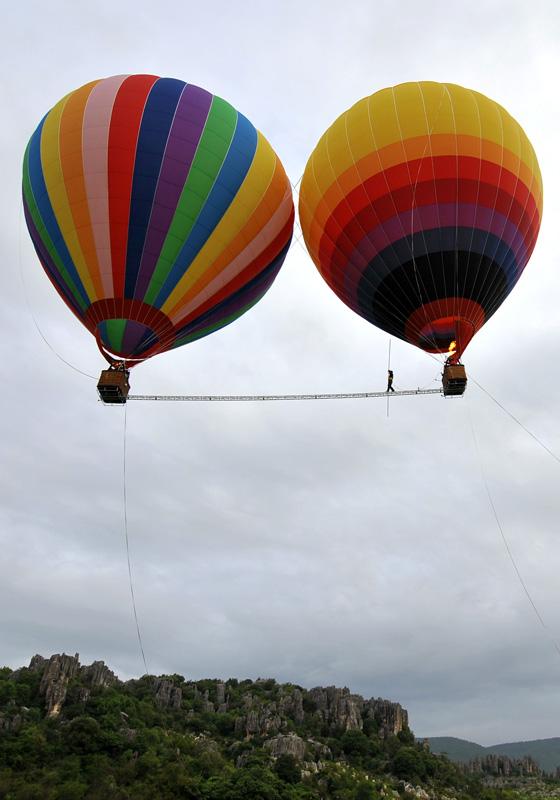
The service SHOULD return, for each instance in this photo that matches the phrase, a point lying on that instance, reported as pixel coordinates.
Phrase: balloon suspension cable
(505, 541)
(29, 308)
(388, 373)
(128, 549)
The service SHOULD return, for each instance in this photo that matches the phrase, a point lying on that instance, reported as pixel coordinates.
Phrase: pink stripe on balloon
(97, 121)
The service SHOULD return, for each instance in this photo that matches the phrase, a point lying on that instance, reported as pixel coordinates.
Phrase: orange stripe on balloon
(70, 148)
(422, 147)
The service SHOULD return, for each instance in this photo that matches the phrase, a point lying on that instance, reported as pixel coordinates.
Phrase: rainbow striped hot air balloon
(158, 211)
(421, 206)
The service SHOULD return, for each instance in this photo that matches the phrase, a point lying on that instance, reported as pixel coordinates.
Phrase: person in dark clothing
(390, 381)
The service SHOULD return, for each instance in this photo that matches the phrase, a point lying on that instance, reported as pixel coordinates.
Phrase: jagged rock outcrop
(167, 695)
(291, 745)
(500, 765)
(221, 699)
(391, 717)
(337, 706)
(98, 674)
(291, 704)
(54, 683)
(12, 722)
(340, 708)
(260, 723)
(59, 669)
(37, 663)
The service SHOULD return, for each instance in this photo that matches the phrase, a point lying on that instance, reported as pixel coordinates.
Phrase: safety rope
(515, 419)
(505, 541)
(128, 548)
(25, 294)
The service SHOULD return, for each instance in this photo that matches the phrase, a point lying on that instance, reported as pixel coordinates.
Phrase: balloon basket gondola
(113, 386)
(454, 380)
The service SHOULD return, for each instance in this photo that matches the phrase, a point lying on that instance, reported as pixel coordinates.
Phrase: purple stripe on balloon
(184, 137)
(134, 332)
(444, 215)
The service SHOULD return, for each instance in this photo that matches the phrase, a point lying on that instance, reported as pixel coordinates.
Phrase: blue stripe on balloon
(157, 119)
(232, 173)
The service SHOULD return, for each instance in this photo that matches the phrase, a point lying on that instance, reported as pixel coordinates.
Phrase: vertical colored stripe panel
(46, 235)
(212, 148)
(72, 165)
(153, 136)
(96, 124)
(246, 248)
(123, 136)
(235, 179)
(67, 237)
(184, 138)
(218, 183)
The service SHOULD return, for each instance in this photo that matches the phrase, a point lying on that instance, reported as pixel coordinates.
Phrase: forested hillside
(72, 732)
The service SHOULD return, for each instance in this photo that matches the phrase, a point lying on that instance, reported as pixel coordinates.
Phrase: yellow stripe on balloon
(440, 112)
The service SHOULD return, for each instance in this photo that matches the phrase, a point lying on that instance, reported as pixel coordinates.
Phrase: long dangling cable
(505, 541)
(128, 548)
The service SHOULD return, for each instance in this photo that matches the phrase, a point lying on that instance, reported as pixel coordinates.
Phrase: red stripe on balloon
(123, 135)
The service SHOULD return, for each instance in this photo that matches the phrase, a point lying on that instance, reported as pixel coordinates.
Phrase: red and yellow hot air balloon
(421, 206)
(158, 211)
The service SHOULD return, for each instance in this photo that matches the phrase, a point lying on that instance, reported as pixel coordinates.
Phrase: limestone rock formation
(340, 708)
(98, 674)
(167, 695)
(391, 717)
(501, 765)
(54, 683)
(291, 745)
(261, 722)
(292, 704)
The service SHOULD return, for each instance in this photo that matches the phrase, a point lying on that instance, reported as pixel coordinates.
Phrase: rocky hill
(545, 751)
(69, 731)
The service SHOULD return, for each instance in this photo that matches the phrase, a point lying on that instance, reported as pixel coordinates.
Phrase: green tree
(287, 768)
(408, 764)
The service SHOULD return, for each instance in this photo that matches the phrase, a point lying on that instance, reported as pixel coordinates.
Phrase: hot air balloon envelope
(421, 206)
(158, 211)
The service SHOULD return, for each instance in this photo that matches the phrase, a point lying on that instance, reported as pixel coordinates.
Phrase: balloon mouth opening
(129, 329)
(432, 328)
(126, 338)
(446, 335)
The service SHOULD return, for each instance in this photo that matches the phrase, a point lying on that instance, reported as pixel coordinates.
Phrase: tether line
(128, 547)
(505, 541)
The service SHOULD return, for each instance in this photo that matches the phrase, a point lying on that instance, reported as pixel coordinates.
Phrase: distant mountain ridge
(545, 751)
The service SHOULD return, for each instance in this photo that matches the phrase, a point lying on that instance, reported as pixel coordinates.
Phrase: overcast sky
(317, 542)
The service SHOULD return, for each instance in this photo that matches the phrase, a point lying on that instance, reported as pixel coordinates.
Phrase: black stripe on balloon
(481, 279)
